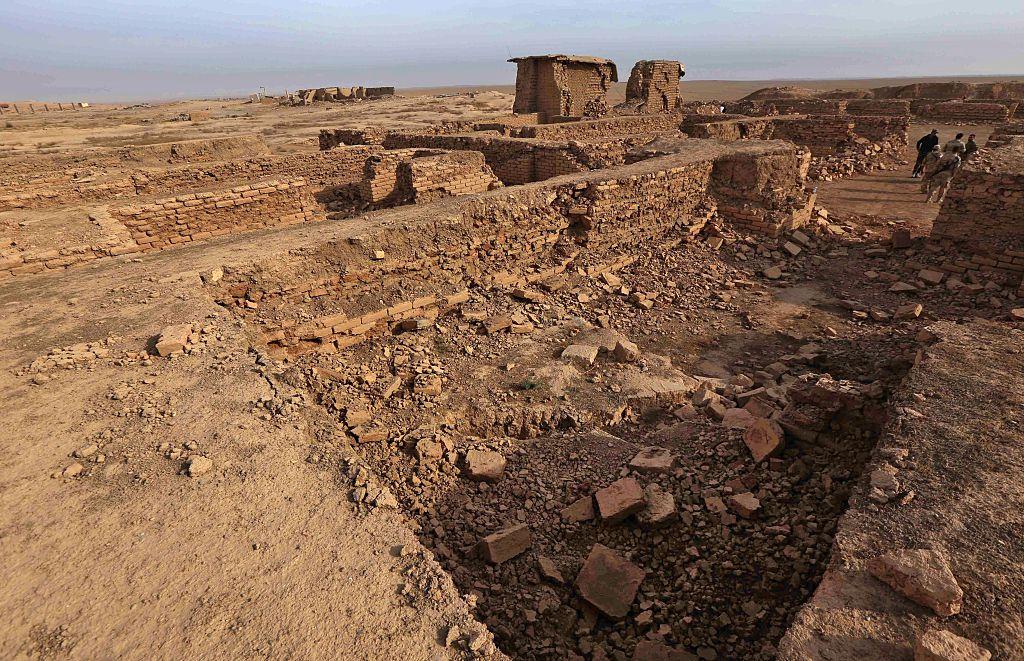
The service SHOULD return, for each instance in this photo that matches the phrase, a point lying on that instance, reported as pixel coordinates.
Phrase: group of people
(936, 165)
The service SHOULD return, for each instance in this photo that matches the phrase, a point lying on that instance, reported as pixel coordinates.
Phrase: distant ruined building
(653, 86)
(563, 85)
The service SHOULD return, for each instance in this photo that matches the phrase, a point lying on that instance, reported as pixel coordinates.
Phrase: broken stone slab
(579, 510)
(902, 287)
(173, 339)
(931, 277)
(626, 351)
(909, 311)
(580, 355)
(744, 504)
(763, 438)
(901, 239)
(549, 570)
(484, 465)
(653, 459)
(619, 500)
(660, 507)
(792, 248)
(496, 324)
(941, 645)
(506, 544)
(921, 575)
(608, 581)
(737, 418)
(772, 273)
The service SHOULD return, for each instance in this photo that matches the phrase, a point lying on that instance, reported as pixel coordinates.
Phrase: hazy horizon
(106, 50)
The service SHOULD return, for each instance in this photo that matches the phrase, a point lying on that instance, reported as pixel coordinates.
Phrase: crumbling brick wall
(758, 108)
(335, 171)
(590, 223)
(882, 107)
(416, 176)
(604, 127)
(653, 86)
(562, 86)
(198, 216)
(959, 111)
(984, 209)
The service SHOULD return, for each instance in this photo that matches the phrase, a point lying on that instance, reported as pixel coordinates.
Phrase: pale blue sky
(148, 49)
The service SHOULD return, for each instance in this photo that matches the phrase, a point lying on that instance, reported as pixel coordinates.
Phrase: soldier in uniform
(971, 147)
(943, 175)
(956, 145)
(928, 164)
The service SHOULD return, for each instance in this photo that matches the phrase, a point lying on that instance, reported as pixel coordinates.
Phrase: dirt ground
(263, 552)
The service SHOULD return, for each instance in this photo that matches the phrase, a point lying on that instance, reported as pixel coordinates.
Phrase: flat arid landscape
(604, 363)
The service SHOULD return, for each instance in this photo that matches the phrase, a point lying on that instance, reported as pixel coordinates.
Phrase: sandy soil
(265, 555)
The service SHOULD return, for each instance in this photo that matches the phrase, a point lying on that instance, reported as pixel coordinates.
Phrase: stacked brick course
(961, 112)
(880, 107)
(416, 176)
(198, 216)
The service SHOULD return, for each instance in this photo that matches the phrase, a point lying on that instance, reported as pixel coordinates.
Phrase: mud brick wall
(882, 128)
(450, 174)
(984, 208)
(198, 216)
(787, 107)
(415, 176)
(605, 127)
(957, 111)
(336, 171)
(589, 223)
(653, 86)
(331, 138)
(886, 107)
(554, 88)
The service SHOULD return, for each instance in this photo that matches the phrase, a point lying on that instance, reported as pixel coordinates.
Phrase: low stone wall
(787, 107)
(605, 127)
(883, 107)
(198, 216)
(332, 170)
(511, 237)
(984, 208)
(416, 176)
(967, 113)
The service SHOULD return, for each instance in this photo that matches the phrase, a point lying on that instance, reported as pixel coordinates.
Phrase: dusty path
(262, 556)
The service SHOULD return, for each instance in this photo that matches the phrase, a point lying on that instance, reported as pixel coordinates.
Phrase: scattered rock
(506, 543)
(619, 500)
(660, 507)
(580, 355)
(198, 465)
(74, 470)
(485, 465)
(609, 582)
(908, 311)
(921, 575)
(763, 438)
(580, 510)
(744, 504)
(549, 570)
(653, 459)
(173, 339)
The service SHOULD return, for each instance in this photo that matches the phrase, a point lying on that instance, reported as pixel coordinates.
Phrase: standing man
(956, 145)
(944, 171)
(924, 146)
(928, 165)
(971, 147)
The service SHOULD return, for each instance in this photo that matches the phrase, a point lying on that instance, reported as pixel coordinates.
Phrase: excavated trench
(744, 543)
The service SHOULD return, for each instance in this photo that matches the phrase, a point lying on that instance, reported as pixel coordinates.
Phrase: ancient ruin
(653, 86)
(554, 86)
(466, 376)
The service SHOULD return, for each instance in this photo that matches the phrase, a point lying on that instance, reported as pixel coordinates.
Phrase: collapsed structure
(653, 86)
(337, 94)
(557, 86)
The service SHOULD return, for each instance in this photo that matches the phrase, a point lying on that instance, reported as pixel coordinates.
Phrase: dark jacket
(925, 144)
